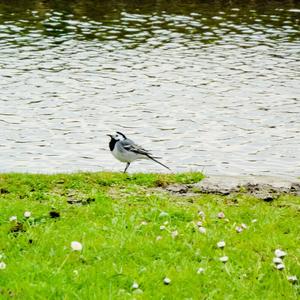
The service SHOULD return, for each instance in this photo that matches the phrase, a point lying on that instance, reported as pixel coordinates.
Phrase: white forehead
(118, 136)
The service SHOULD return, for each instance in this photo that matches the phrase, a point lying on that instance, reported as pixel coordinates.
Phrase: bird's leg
(127, 166)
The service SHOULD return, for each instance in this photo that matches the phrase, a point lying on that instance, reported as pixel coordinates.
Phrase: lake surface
(206, 85)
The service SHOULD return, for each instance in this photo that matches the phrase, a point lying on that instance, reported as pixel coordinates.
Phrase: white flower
(277, 260)
(200, 270)
(221, 215)
(144, 223)
(221, 244)
(279, 253)
(201, 214)
(13, 218)
(280, 266)
(159, 237)
(224, 259)
(167, 280)
(254, 221)
(162, 227)
(76, 246)
(292, 278)
(163, 214)
(27, 214)
(238, 229)
(244, 226)
(166, 222)
(135, 285)
(2, 265)
(199, 223)
(202, 229)
(174, 234)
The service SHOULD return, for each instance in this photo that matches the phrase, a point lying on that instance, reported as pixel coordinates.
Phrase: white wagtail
(125, 150)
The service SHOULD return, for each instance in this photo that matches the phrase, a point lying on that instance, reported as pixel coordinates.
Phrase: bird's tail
(152, 158)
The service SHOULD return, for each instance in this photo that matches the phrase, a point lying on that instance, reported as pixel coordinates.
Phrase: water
(206, 85)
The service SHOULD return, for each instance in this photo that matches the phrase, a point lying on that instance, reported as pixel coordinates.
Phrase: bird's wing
(129, 145)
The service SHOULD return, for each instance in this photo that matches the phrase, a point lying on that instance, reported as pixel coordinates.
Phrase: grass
(117, 219)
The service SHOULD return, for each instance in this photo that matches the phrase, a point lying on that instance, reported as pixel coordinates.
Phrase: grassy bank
(133, 230)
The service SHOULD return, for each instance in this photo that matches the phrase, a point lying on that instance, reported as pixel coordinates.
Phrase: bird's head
(119, 136)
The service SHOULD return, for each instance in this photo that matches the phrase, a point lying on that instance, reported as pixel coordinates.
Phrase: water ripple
(207, 89)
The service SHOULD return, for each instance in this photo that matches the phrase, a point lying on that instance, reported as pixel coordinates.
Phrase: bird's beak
(109, 135)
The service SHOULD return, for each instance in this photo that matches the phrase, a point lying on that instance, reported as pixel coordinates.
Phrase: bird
(126, 150)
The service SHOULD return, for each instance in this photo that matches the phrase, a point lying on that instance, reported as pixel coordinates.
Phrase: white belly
(127, 156)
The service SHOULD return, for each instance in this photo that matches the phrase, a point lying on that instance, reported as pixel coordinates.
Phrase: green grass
(117, 219)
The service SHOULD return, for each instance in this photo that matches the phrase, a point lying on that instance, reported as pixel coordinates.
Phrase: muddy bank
(266, 188)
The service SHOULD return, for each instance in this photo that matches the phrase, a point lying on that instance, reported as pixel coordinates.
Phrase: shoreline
(266, 188)
(262, 187)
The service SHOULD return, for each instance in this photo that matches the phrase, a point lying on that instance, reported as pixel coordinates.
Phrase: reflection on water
(211, 85)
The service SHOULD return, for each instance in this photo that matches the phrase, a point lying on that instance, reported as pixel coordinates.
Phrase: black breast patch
(112, 144)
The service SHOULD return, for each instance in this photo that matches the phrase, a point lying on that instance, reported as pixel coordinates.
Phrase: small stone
(200, 271)
(279, 253)
(280, 267)
(277, 260)
(221, 244)
(224, 259)
(167, 281)
(54, 214)
(178, 188)
(292, 279)
(221, 215)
